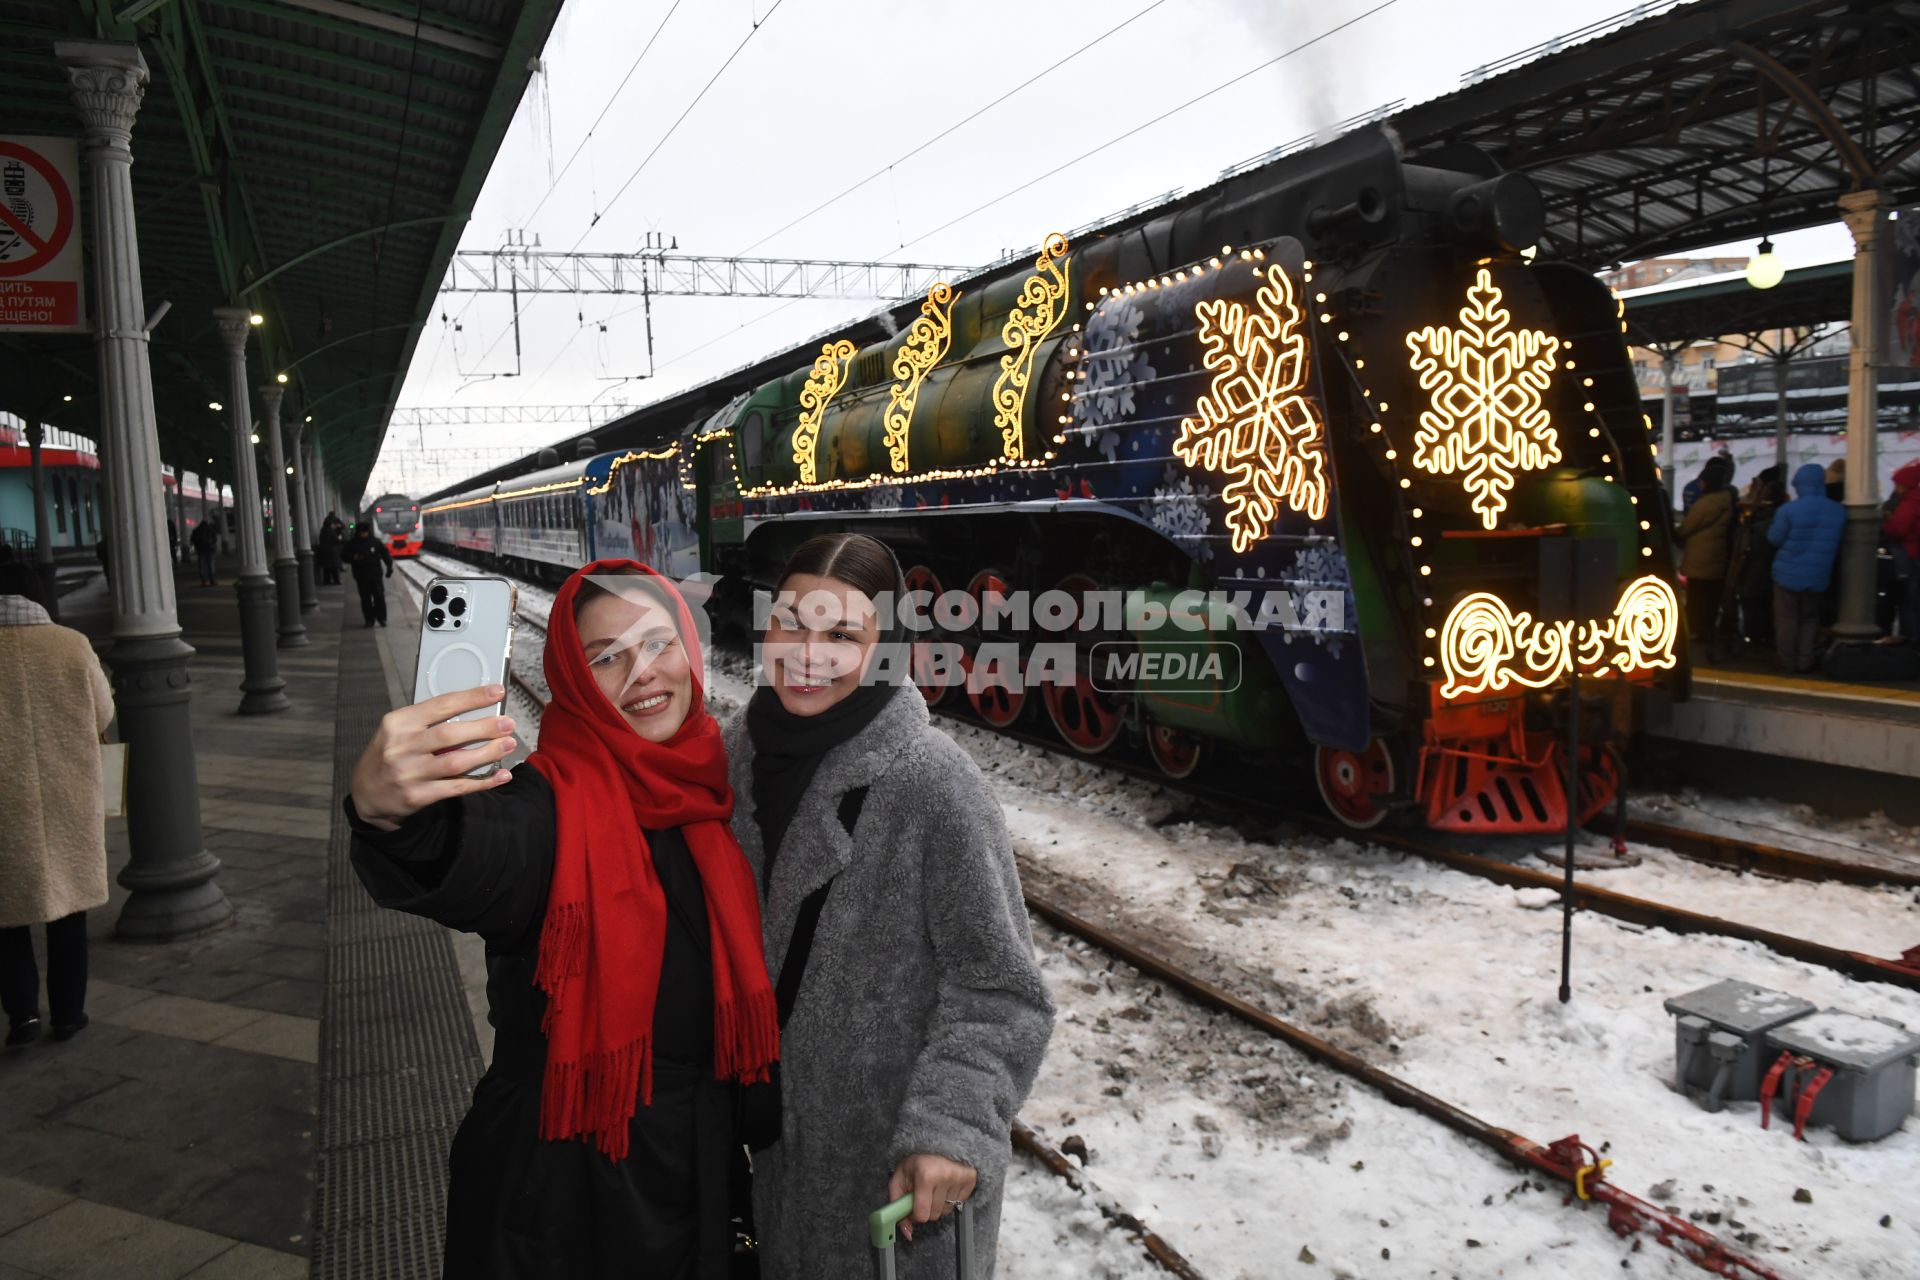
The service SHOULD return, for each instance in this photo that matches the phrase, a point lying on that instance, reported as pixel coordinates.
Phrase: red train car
(396, 522)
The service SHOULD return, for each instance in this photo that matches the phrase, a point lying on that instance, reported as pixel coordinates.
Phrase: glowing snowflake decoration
(1255, 424)
(1486, 417)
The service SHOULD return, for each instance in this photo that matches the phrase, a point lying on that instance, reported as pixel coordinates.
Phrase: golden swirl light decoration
(927, 339)
(1486, 416)
(1486, 647)
(1042, 305)
(1255, 422)
(828, 375)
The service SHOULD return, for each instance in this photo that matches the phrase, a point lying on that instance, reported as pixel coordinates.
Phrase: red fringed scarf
(604, 933)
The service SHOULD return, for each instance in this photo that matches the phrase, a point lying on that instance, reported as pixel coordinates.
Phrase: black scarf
(787, 750)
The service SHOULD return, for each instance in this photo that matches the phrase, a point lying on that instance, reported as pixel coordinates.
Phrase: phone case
(466, 639)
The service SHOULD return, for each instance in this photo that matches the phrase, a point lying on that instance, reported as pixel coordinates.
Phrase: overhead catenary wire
(605, 107)
(1119, 138)
(678, 121)
(614, 199)
(957, 125)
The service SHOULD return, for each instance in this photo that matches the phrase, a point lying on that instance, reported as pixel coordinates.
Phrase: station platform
(1760, 730)
(273, 1099)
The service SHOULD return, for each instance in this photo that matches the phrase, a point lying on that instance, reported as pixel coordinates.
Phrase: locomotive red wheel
(1175, 751)
(920, 663)
(1000, 699)
(1352, 782)
(1088, 718)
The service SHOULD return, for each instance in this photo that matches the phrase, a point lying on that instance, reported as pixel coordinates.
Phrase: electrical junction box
(1719, 1048)
(1868, 1068)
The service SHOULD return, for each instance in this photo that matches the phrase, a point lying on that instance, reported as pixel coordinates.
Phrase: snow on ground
(1876, 840)
(1450, 981)
(1251, 1159)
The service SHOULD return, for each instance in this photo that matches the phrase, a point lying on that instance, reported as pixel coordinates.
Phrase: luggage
(880, 1231)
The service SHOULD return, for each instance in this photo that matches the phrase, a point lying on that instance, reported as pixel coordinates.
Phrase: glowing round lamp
(1765, 270)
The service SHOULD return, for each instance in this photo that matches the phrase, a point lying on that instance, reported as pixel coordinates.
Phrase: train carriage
(463, 524)
(542, 521)
(396, 521)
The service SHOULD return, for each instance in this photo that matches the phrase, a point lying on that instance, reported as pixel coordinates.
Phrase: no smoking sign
(40, 259)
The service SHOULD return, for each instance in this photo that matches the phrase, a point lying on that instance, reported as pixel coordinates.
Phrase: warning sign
(40, 260)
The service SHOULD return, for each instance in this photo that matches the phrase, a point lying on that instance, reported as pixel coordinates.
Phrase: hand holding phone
(410, 764)
(466, 639)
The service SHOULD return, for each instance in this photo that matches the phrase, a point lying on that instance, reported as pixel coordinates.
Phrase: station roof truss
(315, 160)
(1714, 122)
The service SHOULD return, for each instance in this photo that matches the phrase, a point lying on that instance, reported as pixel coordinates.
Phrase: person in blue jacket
(1807, 532)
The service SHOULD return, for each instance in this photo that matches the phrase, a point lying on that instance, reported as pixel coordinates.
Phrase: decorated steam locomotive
(1327, 415)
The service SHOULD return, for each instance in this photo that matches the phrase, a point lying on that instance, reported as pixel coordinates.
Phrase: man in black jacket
(367, 556)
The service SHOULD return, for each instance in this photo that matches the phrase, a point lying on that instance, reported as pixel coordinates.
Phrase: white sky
(829, 91)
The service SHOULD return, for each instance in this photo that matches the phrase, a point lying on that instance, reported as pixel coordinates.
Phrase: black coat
(369, 558)
(518, 1207)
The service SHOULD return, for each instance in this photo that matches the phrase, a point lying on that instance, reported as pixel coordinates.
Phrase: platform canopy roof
(315, 160)
(1712, 122)
(1700, 310)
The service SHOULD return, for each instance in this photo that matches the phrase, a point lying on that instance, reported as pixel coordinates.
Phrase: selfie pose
(921, 1017)
(625, 979)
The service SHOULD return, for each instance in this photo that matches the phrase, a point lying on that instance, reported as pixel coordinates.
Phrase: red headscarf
(604, 934)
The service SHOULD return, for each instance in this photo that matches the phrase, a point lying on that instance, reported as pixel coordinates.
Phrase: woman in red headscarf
(625, 978)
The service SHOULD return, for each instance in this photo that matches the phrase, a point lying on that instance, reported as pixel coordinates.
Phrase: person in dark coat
(625, 978)
(1807, 533)
(205, 540)
(1750, 576)
(367, 556)
(921, 1017)
(1706, 535)
(332, 534)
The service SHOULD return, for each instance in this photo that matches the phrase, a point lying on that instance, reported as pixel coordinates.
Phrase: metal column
(1857, 569)
(262, 689)
(286, 568)
(1667, 462)
(170, 874)
(302, 524)
(42, 526)
(1780, 415)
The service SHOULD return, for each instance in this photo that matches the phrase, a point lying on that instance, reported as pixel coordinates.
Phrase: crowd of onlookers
(1761, 564)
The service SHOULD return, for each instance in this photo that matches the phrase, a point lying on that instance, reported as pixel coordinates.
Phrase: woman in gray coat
(921, 1018)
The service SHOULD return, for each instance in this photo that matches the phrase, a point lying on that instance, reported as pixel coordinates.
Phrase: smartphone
(466, 638)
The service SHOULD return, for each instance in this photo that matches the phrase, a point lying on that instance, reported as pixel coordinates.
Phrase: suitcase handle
(881, 1224)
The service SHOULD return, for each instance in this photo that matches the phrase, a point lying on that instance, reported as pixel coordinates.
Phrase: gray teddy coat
(922, 1018)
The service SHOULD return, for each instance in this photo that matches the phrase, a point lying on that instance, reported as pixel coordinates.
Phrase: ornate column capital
(234, 323)
(1861, 212)
(270, 396)
(107, 80)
